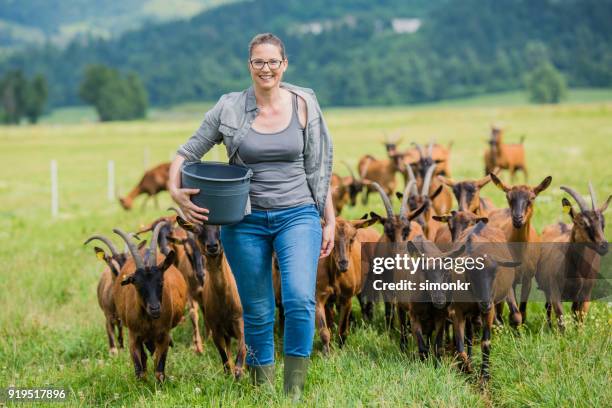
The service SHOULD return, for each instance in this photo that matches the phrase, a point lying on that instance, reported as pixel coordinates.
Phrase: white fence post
(54, 190)
(111, 180)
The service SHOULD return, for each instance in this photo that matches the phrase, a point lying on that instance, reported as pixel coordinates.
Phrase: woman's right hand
(193, 213)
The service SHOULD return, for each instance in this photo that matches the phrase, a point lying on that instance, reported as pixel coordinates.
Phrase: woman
(277, 130)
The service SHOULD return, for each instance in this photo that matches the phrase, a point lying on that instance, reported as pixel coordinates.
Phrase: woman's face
(266, 78)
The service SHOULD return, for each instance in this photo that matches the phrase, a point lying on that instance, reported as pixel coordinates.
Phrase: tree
(545, 84)
(35, 97)
(114, 97)
(12, 94)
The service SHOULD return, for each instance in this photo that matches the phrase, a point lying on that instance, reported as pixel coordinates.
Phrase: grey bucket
(224, 189)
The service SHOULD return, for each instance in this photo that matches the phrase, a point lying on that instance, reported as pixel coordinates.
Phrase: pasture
(51, 329)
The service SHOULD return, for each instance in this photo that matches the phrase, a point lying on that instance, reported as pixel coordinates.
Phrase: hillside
(353, 52)
(32, 22)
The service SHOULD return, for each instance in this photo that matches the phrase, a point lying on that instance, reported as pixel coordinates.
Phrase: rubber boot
(295, 376)
(262, 375)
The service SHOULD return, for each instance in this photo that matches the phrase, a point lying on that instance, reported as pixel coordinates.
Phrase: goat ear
(446, 181)
(364, 216)
(417, 212)
(484, 220)
(127, 280)
(436, 193)
(100, 254)
(543, 185)
(604, 206)
(363, 223)
(169, 260)
(442, 218)
(377, 217)
(500, 184)
(567, 207)
(187, 226)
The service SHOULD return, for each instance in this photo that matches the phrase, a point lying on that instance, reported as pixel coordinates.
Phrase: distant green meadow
(52, 331)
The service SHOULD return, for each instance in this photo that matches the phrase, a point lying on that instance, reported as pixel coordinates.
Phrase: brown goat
(340, 274)
(153, 181)
(428, 309)
(488, 286)
(189, 261)
(427, 197)
(397, 228)
(425, 169)
(150, 296)
(502, 156)
(381, 171)
(106, 301)
(516, 225)
(222, 307)
(568, 268)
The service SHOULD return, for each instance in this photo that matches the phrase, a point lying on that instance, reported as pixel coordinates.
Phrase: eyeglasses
(272, 64)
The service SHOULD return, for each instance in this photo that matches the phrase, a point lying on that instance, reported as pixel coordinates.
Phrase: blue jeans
(295, 235)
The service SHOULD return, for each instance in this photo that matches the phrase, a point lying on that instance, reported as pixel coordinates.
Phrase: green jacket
(230, 119)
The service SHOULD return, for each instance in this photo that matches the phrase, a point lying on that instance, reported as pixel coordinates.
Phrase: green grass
(51, 329)
(194, 110)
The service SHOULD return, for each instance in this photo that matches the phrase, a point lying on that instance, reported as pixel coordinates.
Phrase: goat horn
(349, 169)
(593, 196)
(154, 238)
(385, 198)
(427, 180)
(404, 206)
(577, 197)
(410, 172)
(132, 248)
(107, 241)
(178, 211)
(419, 148)
(430, 148)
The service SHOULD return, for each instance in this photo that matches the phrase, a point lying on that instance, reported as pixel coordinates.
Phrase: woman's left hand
(327, 243)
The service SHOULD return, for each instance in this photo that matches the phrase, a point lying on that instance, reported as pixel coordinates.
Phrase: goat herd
(146, 287)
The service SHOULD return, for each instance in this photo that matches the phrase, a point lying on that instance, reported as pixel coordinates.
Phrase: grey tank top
(277, 161)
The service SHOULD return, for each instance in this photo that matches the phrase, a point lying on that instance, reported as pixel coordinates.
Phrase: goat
(105, 291)
(500, 155)
(425, 168)
(340, 274)
(426, 198)
(467, 194)
(381, 171)
(487, 286)
(427, 309)
(150, 296)
(516, 225)
(397, 228)
(189, 262)
(153, 181)
(222, 307)
(568, 268)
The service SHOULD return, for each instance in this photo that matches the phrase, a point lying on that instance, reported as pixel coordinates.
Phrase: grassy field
(51, 330)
